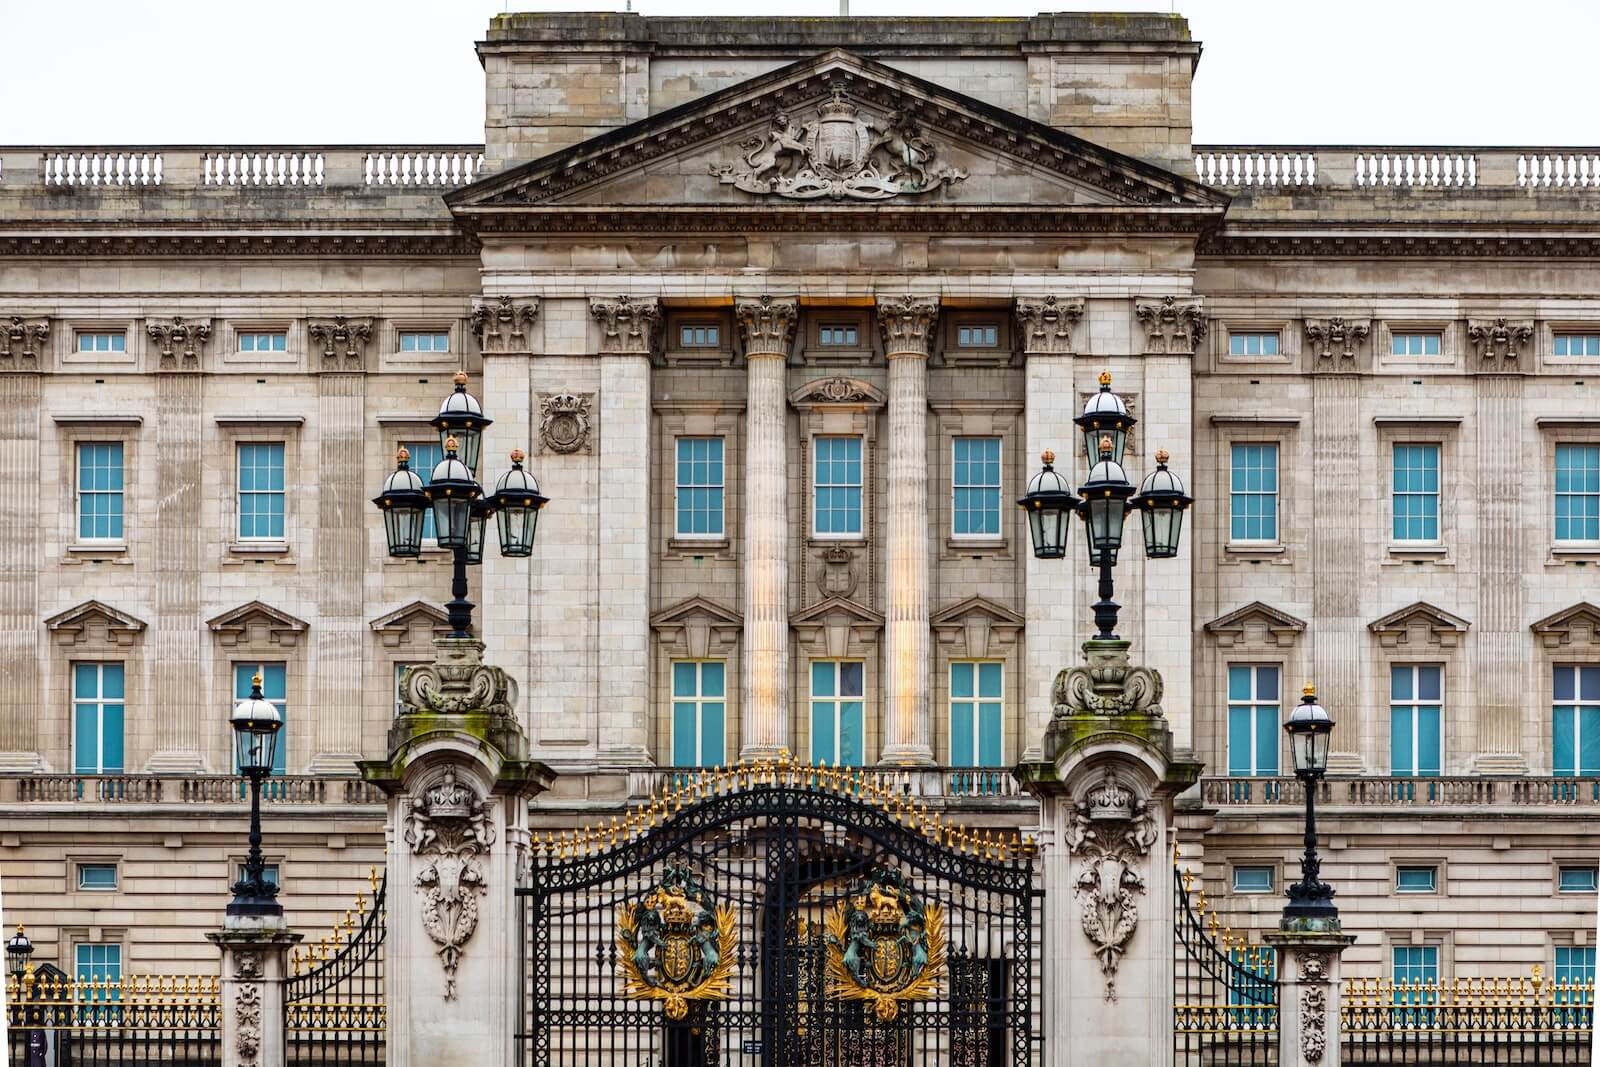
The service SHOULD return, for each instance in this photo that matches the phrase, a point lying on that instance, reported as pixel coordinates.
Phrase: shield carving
(839, 141)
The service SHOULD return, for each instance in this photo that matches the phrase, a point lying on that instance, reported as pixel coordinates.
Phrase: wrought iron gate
(1224, 991)
(334, 1010)
(777, 916)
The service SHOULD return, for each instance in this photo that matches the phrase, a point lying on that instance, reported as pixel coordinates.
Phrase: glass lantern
(462, 417)
(452, 491)
(1049, 505)
(1161, 503)
(1310, 728)
(256, 722)
(1105, 504)
(1105, 415)
(403, 504)
(517, 501)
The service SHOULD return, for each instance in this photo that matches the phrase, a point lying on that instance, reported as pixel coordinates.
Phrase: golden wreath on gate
(675, 947)
(884, 946)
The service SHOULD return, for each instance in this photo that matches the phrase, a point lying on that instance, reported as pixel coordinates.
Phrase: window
(1577, 344)
(1578, 880)
(837, 335)
(838, 487)
(699, 335)
(1252, 982)
(97, 713)
(1416, 879)
(1252, 879)
(976, 699)
(269, 873)
(1578, 493)
(1254, 497)
(420, 341)
(698, 713)
(700, 485)
(836, 704)
(1415, 719)
(975, 487)
(100, 491)
(1575, 731)
(1253, 720)
(273, 682)
(98, 963)
(1252, 344)
(1416, 965)
(102, 342)
(1574, 965)
(261, 491)
(1416, 492)
(263, 342)
(425, 455)
(1414, 344)
(97, 877)
(978, 335)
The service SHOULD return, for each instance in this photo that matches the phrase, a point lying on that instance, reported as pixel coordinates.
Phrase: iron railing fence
(172, 1020)
(1224, 989)
(334, 1006)
(1524, 1020)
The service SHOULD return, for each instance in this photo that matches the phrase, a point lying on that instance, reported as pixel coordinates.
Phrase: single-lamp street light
(256, 724)
(1309, 728)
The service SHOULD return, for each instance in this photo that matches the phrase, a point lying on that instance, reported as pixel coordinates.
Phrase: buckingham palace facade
(784, 313)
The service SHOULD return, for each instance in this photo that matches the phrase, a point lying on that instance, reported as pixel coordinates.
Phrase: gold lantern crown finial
(1047, 456)
(460, 377)
(1105, 377)
(255, 679)
(1162, 455)
(518, 455)
(1309, 690)
(450, 444)
(402, 454)
(1105, 443)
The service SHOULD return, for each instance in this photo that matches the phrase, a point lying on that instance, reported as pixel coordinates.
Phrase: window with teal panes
(1253, 496)
(425, 455)
(1414, 344)
(97, 877)
(261, 491)
(836, 482)
(1416, 493)
(97, 963)
(1573, 974)
(100, 486)
(1578, 880)
(274, 678)
(1253, 720)
(700, 484)
(263, 342)
(1578, 493)
(699, 713)
(836, 713)
(98, 710)
(1252, 981)
(1575, 726)
(1416, 719)
(975, 487)
(102, 342)
(1577, 344)
(1253, 879)
(424, 341)
(1416, 966)
(977, 696)
(1416, 879)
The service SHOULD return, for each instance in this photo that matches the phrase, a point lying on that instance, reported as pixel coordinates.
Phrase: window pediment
(1256, 625)
(416, 623)
(976, 626)
(829, 626)
(1578, 625)
(698, 628)
(1419, 624)
(838, 392)
(94, 623)
(256, 623)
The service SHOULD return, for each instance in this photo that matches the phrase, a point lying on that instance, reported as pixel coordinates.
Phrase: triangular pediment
(698, 628)
(1577, 625)
(403, 617)
(960, 613)
(257, 623)
(1437, 626)
(1256, 624)
(830, 135)
(93, 621)
(696, 609)
(837, 610)
(976, 628)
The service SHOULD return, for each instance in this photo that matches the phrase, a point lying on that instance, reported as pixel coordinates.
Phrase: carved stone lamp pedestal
(458, 783)
(1106, 789)
(255, 956)
(1308, 994)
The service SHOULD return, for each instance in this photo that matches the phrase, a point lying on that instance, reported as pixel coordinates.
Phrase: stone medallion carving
(1336, 339)
(1172, 326)
(564, 422)
(25, 338)
(1499, 339)
(838, 390)
(1110, 834)
(179, 340)
(841, 153)
(837, 574)
(449, 827)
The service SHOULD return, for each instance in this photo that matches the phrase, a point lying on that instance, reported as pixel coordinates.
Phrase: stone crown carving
(25, 338)
(843, 152)
(1046, 325)
(627, 327)
(180, 341)
(501, 324)
(449, 827)
(564, 422)
(1336, 339)
(768, 325)
(1172, 326)
(906, 323)
(344, 340)
(1499, 339)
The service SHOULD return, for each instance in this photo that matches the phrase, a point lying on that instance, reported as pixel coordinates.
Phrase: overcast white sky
(215, 72)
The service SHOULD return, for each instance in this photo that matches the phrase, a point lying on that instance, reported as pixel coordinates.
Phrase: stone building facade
(785, 312)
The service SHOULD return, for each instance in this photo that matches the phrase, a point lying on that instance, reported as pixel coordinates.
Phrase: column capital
(906, 323)
(181, 341)
(500, 323)
(628, 325)
(1173, 325)
(1046, 323)
(768, 324)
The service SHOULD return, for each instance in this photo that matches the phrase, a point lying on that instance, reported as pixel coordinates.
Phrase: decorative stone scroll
(628, 327)
(1111, 832)
(906, 323)
(180, 341)
(344, 340)
(449, 829)
(24, 341)
(564, 426)
(1107, 684)
(841, 153)
(1336, 340)
(768, 325)
(1046, 325)
(458, 682)
(501, 324)
(1172, 326)
(1499, 339)
(1313, 1006)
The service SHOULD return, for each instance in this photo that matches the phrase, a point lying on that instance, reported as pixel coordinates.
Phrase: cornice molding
(235, 244)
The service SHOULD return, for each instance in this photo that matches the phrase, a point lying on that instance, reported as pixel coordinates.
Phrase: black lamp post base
(254, 907)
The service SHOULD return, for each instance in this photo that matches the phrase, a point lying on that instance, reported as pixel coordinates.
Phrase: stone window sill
(1407, 553)
(1250, 551)
(997, 546)
(276, 551)
(693, 546)
(1564, 554)
(115, 553)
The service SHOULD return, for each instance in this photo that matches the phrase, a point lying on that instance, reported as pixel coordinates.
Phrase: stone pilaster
(1045, 327)
(768, 327)
(628, 336)
(254, 968)
(19, 575)
(1338, 633)
(341, 562)
(1500, 644)
(907, 323)
(1308, 996)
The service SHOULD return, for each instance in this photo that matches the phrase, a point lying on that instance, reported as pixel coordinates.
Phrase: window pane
(851, 747)
(1252, 879)
(1254, 501)
(1579, 879)
(850, 677)
(683, 734)
(822, 678)
(1266, 741)
(990, 679)
(1429, 740)
(1416, 879)
(961, 678)
(1564, 740)
(823, 737)
(1589, 740)
(711, 683)
(1266, 683)
(1240, 750)
(683, 680)
(991, 740)
(97, 876)
(961, 734)
(1400, 679)
(1402, 754)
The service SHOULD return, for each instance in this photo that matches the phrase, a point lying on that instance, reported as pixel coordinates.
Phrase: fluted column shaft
(907, 325)
(768, 328)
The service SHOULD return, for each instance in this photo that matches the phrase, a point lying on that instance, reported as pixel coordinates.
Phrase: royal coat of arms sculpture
(675, 948)
(884, 945)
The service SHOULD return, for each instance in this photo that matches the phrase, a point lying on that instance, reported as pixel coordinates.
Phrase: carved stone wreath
(564, 422)
(1111, 832)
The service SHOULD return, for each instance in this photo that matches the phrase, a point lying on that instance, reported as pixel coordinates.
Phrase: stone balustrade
(134, 168)
(144, 789)
(1333, 168)
(1404, 792)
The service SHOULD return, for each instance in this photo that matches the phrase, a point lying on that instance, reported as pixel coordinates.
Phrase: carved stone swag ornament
(1111, 832)
(1313, 1006)
(841, 153)
(449, 828)
(247, 1008)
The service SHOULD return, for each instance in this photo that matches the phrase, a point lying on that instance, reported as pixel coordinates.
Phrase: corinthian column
(906, 323)
(768, 327)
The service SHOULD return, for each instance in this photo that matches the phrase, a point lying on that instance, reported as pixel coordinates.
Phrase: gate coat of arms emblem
(884, 945)
(675, 948)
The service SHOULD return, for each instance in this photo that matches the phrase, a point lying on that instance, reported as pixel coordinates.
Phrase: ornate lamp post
(1104, 501)
(461, 510)
(255, 723)
(18, 949)
(1309, 727)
